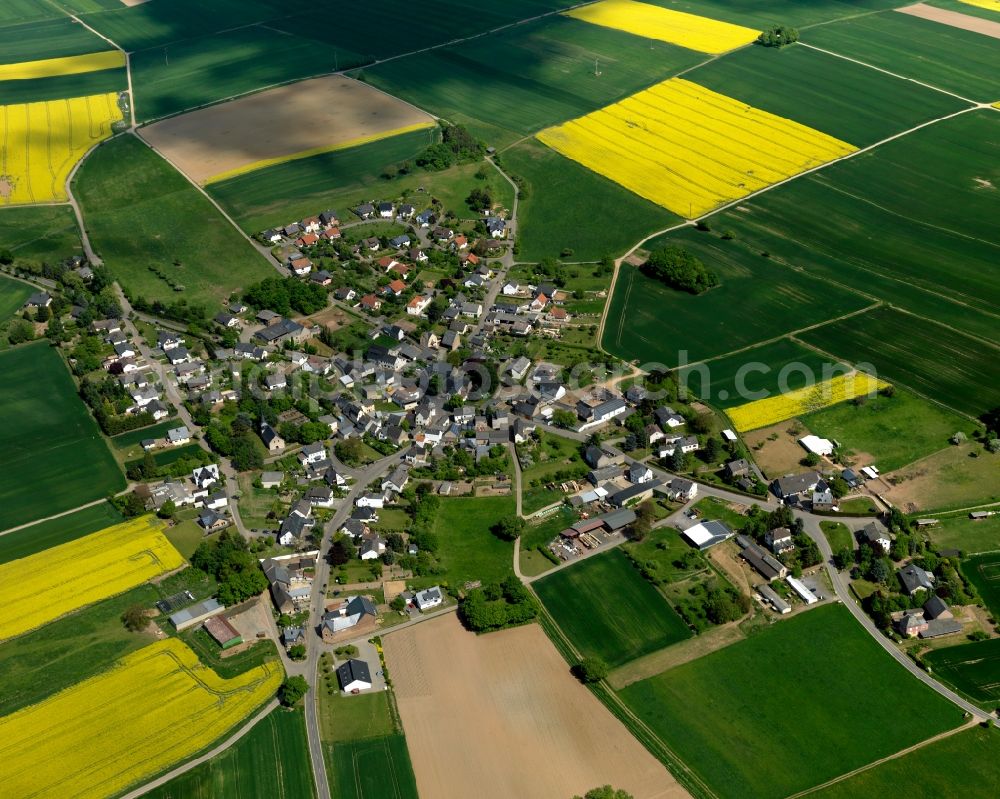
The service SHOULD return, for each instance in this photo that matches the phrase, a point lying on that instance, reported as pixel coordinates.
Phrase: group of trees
(109, 400)
(778, 36)
(237, 440)
(284, 295)
(707, 603)
(806, 553)
(679, 269)
(497, 605)
(457, 145)
(229, 560)
(457, 462)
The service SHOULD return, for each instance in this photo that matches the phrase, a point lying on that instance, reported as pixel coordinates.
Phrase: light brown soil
(320, 112)
(947, 478)
(781, 456)
(499, 716)
(954, 19)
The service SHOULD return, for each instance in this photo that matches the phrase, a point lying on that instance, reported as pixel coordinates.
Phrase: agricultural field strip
(68, 65)
(36, 589)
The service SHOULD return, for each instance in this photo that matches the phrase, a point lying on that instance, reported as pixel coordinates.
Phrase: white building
(428, 598)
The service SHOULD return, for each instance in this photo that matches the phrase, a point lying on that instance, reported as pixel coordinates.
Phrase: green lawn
(541, 532)
(960, 61)
(983, 571)
(660, 550)
(142, 214)
(608, 610)
(348, 718)
(58, 655)
(43, 535)
(838, 97)
(961, 532)
(54, 456)
(466, 547)
(568, 207)
(971, 669)
(13, 293)
(842, 703)
(376, 768)
(556, 459)
(897, 430)
(838, 534)
(714, 508)
(39, 233)
(186, 536)
(961, 765)
(272, 760)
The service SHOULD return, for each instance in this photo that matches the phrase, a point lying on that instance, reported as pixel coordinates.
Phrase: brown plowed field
(966, 22)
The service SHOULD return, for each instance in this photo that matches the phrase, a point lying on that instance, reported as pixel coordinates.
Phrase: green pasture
(375, 768)
(965, 534)
(13, 293)
(983, 571)
(350, 718)
(466, 547)
(41, 233)
(969, 668)
(43, 535)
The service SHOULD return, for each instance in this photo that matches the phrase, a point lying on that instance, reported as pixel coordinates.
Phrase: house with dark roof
(792, 486)
(915, 579)
(354, 676)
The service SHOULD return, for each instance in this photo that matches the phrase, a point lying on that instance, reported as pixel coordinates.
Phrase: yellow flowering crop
(344, 145)
(70, 65)
(772, 410)
(676, 27)
(992, 5)
(39, 588)
(41, 142)
(690, 149)
(150, 710)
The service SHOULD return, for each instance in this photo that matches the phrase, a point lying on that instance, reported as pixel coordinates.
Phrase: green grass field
(58, 87)
(956, 60)
(54, 456)
(348, 718)
(838, 534)
(842, 703)
(983, 572)
(569, 207)
(970, 668)
(756, 300)
(838, 97)
(961, 532)
(661, 549)
(932, 360)
(73, 648)
(39, 233)
(43, 535)
(125, 442)
(141, 213)
(13, 293)
(964, 764)
(516, 82)
(376, 768)
(271, 761)
(52, 38)
(897, 430)
(608, 610)
(466, 547)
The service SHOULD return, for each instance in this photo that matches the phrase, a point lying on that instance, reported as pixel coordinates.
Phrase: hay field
(653, 22)
(499, 715)
(290, 122)
(956, 20)
(67, 65)
(150, 710)
(41, 142)
(39, 588)
(690, 149)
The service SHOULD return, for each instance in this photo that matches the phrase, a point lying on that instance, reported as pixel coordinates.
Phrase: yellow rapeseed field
(344, 145)
(70, 65)
(992, 5)
(653, 22)
(690, 149)
(41, 142)
(772, 410)
(39, 588)
(150, 710)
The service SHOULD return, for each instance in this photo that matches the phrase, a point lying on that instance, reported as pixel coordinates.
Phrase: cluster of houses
(134, 372)
(201, 489)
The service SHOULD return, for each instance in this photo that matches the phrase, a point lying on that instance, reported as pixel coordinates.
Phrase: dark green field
(757, 300)
(56, 88)
(897, 430)
(984, 573)
(13, 293)
(270, 762)
(300, 188)
(732, 380)
(53, 38)
(601, 219)
(18, 11)
(517, 82)
(723, 716)
(959, 61)
(972, 669)
(44, 535)
(838, 97)
(935, 361)
(964, 764)
(375, 768)
(54, 456)
(40, 233)
(609, 611)
(140, 212)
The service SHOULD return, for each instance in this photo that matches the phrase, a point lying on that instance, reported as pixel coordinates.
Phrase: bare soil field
(498, 715)
(275, 125)
(780, 456)
(954, 19)
(956, 477)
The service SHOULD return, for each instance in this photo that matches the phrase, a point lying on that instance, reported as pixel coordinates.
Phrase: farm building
(354, 676)
(760, 559)
(816, 445)
(772, 598)
(800, 588)
(707, 534)
(224, 634)
(196, 614)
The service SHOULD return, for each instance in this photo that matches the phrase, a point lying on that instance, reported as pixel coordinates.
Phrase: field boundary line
(902, 752)
(930, 86)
